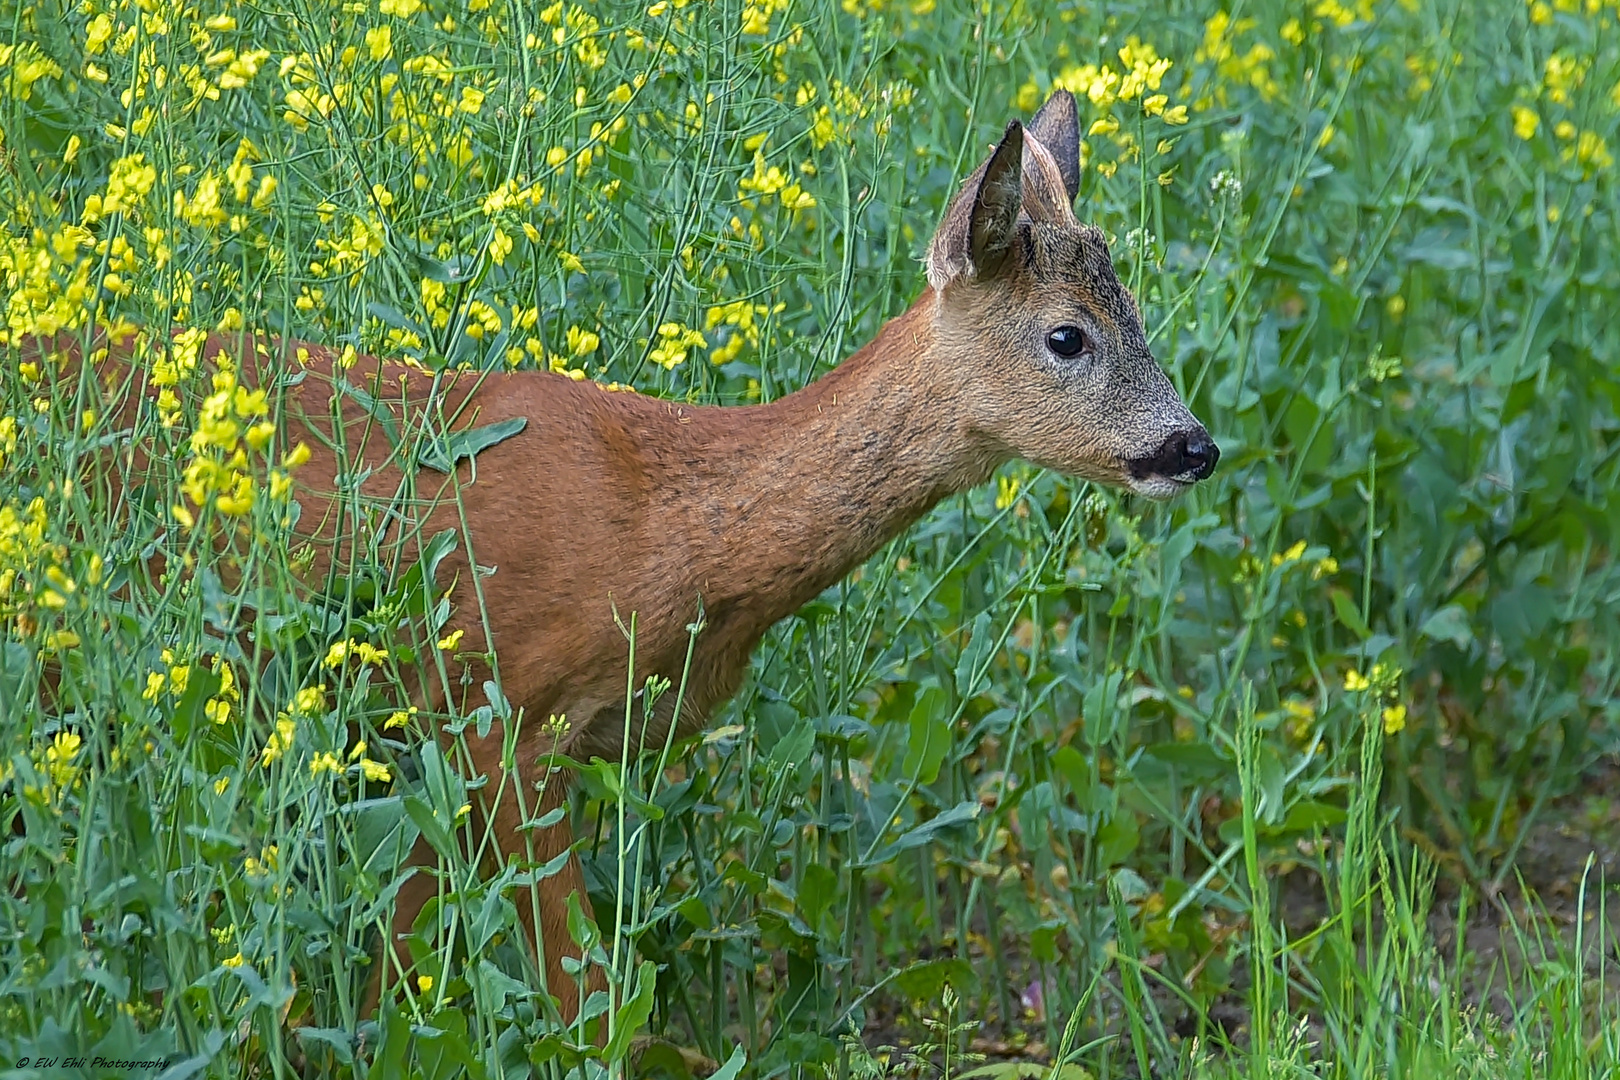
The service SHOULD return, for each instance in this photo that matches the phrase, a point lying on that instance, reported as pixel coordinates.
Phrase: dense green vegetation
(1116, 787)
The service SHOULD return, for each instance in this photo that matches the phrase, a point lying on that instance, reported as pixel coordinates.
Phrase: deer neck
(825, 476)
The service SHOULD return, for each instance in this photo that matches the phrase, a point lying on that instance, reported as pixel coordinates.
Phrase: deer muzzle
(1187, 456)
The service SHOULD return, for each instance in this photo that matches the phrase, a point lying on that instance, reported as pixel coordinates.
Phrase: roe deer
(1023, 345)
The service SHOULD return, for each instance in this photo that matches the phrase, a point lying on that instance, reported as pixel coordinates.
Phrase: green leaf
(1075, 769)
(733, 1066)
(959, 815)
(925, 981)
(972, 667)
(794, 750)
(338, 1040)
(383, 833)
(1450, 623)
(389, 1061)
(442, 1047)
(930, 736)
(1117, 839)
(1311, 816)
(435, 832)
(1345, 609)
(1198, 762)
(1101, 710)
(818, 888)
(441, 454)
(632, 1015)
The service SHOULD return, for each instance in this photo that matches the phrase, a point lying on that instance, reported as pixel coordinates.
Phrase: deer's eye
(1068, 341)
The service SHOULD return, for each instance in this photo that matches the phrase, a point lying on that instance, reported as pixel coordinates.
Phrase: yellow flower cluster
(834, 118)
(1007, 491)
(362, 653)
(1382, 684)
(672, 344)
(1142, 73)
(267, 863)
(1138, 79)
(307, 702)
(46, 278)
(169, 683)
(217, 471)
(757, 15)
(1251, 67)
(24, 65)
(56, 764)
(579, 343)
(32, 575)
(741, 318)
(326, 762)
(1563, 75)
(768, 181)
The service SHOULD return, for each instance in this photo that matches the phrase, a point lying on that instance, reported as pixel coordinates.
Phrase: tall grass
(1041, 770)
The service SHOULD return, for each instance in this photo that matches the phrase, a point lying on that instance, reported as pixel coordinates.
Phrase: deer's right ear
(982, 223)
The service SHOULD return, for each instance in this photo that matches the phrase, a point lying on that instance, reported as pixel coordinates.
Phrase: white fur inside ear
(941, 268)
(995, 211)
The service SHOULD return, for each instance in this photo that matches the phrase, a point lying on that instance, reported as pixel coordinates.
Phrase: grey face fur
(1032, 308)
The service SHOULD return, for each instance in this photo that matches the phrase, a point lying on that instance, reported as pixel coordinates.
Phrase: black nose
(1199, 453)
(1184, 452)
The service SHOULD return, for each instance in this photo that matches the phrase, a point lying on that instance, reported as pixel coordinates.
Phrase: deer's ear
(982, 222)
(1057, 127)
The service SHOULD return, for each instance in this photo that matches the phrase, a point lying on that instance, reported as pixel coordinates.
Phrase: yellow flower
(1355, 681)
(400, 9)
(1525, 122)
(375, 771)
(424, 983)
(1006, 491)
(324, 762)
(59, 758)
(1394, 719)
(363, 652)
(380, 41)
(280, 740)
(500, 246)
(239, 500)
(449, 642)
(1289, 556)
(674, 342)
(582, 342)
(236, 961)
(260, 434)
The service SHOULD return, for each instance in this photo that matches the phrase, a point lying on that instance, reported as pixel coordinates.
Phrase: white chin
(1159, 487)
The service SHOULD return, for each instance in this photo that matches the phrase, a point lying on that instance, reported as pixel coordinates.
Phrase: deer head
(1029, 311)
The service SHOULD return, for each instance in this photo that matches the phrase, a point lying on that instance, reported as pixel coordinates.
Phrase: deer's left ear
(982, 222)
(1057, 127)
